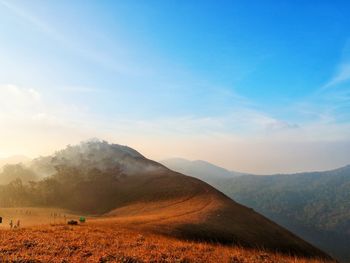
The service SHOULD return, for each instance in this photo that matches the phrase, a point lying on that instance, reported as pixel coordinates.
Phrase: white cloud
(31, 125)
(264, 122)
(18, 92)
(17, 100)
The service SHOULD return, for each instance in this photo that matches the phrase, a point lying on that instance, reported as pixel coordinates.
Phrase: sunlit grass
(107, 241)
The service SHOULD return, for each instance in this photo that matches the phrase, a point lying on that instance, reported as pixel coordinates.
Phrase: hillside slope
(197, 211)
(313, 205)
(104, 179)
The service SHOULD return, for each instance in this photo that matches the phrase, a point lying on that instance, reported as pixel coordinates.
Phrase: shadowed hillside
(314, 205)
(107, 179)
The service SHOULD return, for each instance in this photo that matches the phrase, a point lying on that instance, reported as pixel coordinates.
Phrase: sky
(253, 86)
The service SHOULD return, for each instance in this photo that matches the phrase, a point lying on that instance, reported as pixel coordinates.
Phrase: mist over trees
(86, 177)
(11, 172)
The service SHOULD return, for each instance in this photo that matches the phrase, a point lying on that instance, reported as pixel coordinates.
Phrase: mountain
(117, 182)
(199, 169)
(94, 154)
(315, 205)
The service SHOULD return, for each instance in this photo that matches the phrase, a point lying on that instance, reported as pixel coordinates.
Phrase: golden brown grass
(34, 216)
(106, 241)
(178, 206)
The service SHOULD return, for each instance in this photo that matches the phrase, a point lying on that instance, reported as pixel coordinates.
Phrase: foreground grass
(109, 242)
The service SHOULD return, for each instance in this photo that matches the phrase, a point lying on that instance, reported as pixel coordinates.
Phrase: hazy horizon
(17, 157)
(260, 88)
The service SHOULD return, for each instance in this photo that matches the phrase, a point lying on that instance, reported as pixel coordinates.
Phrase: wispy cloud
(39, 24)
(342, 75)
(80, 89)
(32, 125)
(121, 64)
(327, 109)
(342, 70)
(16, 100)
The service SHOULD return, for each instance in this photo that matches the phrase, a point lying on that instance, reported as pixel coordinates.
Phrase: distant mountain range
(314, 205)
(104, 179)
(198, 168)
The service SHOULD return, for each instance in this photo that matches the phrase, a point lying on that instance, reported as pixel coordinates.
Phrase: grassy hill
(106, 179)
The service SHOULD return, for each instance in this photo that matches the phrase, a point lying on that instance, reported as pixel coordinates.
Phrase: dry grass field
(107, 241)
(112, 239)
(33, 216)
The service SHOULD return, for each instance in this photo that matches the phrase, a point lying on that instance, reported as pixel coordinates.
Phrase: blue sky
(250, 80)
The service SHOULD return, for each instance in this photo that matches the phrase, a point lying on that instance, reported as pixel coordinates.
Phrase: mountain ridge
(199, 167)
